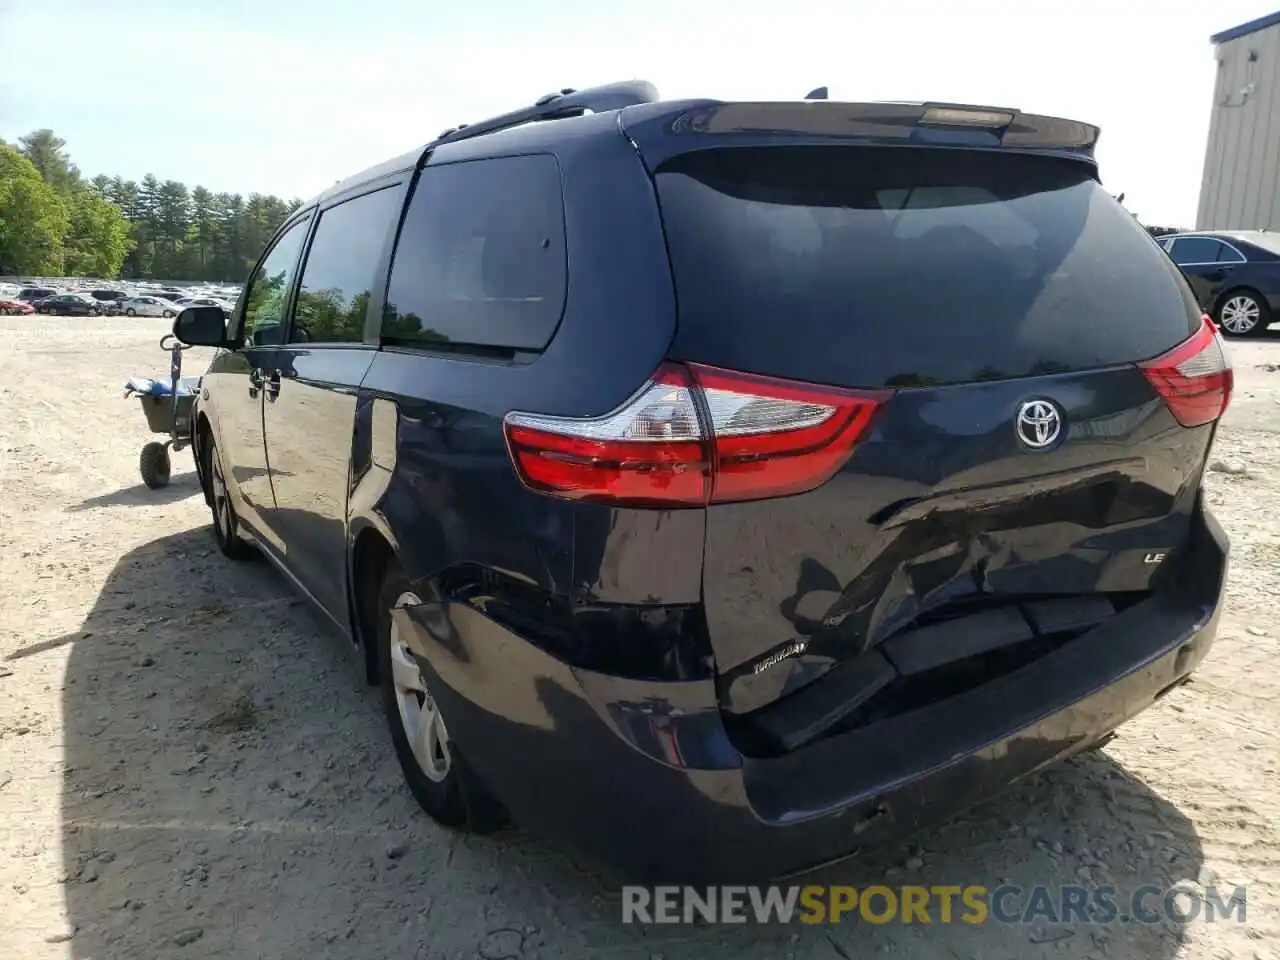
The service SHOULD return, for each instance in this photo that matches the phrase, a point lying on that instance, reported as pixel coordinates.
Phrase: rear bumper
(643, 775)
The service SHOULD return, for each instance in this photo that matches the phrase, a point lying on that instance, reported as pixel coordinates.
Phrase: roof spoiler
(666, 129)
(555, 106)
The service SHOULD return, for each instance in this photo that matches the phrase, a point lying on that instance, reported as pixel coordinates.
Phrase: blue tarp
(147, 387)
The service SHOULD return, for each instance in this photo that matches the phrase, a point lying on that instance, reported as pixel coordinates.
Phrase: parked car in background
(222, 305)
(1235, 276)
(15, 307)
(884, 489)
(107, 296)
(34, 295)
(149, 307)
(70, 305)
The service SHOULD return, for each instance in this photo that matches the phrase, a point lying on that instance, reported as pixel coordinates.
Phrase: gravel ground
(190, 766)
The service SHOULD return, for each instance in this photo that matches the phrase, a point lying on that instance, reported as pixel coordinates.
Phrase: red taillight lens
(650, 450)
(1195, 377)
(695, 435)
(775, 437)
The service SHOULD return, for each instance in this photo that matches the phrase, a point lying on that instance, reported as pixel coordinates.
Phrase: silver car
(150, 307)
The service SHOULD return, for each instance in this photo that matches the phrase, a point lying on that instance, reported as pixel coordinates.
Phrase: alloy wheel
(420, 717)
(221, 501)
(1240, 314)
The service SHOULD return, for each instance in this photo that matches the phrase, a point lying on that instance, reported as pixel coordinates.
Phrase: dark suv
(725, 486)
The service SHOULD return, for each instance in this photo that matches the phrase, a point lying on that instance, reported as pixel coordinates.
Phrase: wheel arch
(371, 550)
(200, 437)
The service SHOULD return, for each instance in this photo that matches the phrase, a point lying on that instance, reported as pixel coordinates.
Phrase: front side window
(266, 290)
(481, 256)
(337, 279)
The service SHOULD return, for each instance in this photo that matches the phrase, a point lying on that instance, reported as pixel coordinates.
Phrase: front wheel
(131, 312)
(1243, 314)
(436, 773)
(168, 314)
(226, 526)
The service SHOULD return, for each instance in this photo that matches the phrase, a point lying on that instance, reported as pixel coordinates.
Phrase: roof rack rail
(555, 106)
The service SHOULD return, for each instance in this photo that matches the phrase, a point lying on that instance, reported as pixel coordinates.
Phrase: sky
(289, 96)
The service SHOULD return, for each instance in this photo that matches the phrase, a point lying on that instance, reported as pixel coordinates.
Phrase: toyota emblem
(1039, 423)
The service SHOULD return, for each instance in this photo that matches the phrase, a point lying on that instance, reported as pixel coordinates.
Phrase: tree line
(55, 222)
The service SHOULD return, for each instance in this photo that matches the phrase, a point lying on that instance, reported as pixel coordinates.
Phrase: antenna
(819, 94)
(556, 106)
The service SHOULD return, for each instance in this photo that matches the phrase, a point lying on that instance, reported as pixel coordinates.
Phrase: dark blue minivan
(722, 487)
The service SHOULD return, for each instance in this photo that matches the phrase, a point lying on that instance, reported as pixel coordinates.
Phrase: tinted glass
(268, 287)
(337, 278)
(910, 266)
(481, 256)
(1196, 250)
(1228, 254)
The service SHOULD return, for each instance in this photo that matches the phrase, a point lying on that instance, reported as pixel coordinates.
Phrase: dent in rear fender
(638, 556)
(496, 671)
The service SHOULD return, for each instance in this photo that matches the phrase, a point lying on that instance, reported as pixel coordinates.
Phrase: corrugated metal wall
(1241, 185)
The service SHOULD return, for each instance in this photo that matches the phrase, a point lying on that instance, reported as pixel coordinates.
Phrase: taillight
(695, 435)
(1195, 377)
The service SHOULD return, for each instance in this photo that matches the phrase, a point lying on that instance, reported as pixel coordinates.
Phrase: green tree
(33, 218)
(98, 238)
(162, 230)
(203, 230)
(49, 154)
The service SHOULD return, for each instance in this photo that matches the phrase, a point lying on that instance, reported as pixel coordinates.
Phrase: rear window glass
(481, 256)
(889, 266)
(1188, 250)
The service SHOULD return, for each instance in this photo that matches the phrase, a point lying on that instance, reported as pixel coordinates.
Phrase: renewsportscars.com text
(970, 904)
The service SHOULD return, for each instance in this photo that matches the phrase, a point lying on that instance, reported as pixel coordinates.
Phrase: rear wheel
(154, 465)
(1243, 313)
(131, 312)
(433, 768)
(168, 314)
(226, 526)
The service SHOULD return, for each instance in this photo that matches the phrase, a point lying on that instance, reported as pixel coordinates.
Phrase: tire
(226, 526)
(154, 465)
(443, 785)
(131, 312)
(167, 314)
(1242, 313)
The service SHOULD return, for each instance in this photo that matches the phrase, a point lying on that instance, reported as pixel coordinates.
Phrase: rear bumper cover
(643, 775)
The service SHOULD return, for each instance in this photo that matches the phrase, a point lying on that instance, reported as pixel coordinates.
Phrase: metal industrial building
(1241, 185)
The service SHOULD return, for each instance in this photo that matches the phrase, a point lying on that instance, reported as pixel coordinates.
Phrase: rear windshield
(904, 267)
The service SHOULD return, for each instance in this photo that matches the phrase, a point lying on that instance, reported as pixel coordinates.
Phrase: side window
(1229, 254)
(266, 289)
(1187, 250)
(481, 256)
(337, 278)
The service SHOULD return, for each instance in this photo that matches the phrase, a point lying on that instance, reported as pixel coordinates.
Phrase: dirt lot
(190, 766)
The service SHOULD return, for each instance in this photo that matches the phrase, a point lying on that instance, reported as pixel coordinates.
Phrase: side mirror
(201, 327)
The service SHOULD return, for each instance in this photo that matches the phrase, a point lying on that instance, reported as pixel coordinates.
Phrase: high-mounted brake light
(695, 435)
(966, 117)
(1195, 377)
